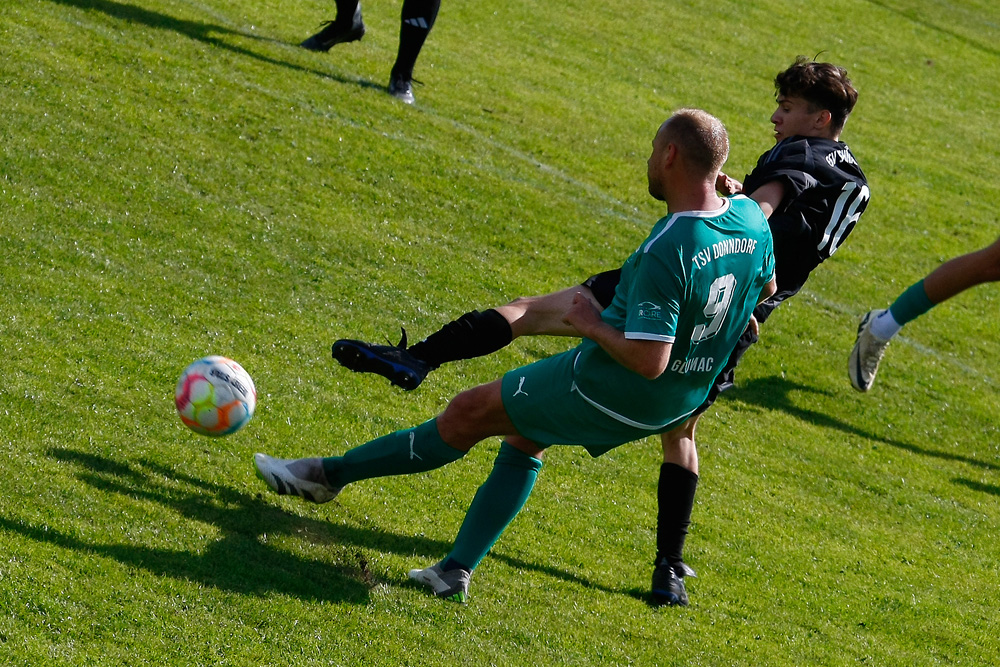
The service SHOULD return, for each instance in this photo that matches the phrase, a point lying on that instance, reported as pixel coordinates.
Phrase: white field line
(937, 355)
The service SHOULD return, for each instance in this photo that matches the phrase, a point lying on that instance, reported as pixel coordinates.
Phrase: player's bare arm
(769, 290)
(648, 358)
(768, 197)
(765, 294)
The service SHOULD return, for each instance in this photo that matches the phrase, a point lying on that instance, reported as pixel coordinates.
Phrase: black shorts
(725, 379)
(603, 286)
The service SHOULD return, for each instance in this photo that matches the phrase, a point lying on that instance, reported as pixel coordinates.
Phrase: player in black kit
(415, 22)
(823, 193)
(811, 189)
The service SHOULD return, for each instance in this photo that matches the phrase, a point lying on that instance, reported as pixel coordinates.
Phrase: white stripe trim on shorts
(622, 418)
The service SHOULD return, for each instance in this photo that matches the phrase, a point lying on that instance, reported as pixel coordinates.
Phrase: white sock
(885, 326)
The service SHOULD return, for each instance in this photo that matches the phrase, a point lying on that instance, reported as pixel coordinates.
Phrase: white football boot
(867, 353)
(296, 477)
(451, 585)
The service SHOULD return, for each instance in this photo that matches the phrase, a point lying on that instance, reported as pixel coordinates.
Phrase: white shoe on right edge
(863, 363)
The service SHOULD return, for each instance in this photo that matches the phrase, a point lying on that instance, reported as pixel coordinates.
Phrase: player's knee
(466, 407)
(522, 302)
(533, 315)
(670, 441)
(519, 311)
(678, 444)
(525, 446)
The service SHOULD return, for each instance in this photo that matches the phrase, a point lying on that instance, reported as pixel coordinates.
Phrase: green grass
(178, 179)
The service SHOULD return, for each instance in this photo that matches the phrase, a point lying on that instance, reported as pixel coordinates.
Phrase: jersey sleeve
(654, 300)
(825, 194)
(787, 163)
(767, 266)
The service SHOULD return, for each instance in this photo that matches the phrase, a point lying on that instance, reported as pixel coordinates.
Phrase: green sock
(497, 502)
(911, 304)
(417, 449)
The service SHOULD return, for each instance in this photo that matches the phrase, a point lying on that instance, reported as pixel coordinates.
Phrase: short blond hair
(701, 138)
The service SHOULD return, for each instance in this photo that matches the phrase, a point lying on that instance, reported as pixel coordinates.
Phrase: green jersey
(694, 283)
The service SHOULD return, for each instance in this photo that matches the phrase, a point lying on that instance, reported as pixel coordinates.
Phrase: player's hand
(582, 314)
(754, 326)
(727, 185)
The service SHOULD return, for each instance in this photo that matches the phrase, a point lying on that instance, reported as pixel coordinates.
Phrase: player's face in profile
(794, 117)
(654, 165)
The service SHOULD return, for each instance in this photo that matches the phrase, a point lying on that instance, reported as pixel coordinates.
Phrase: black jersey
(825, 194)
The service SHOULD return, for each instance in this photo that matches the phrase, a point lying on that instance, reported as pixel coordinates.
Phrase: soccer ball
(215, 396)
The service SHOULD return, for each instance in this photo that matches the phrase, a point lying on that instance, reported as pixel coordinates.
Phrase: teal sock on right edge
(495, 505)
(911, 304)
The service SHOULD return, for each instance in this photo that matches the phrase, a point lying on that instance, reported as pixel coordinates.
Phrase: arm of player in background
(768, 196)
(766, 293)
(648, 358)
(768, 290)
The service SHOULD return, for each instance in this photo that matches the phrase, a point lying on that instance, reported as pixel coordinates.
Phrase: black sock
(675, 495)
(472, 335)
(346, 10)
(416, 20)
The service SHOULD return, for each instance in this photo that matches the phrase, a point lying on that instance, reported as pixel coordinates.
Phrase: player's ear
(670, 154)
(824, 119)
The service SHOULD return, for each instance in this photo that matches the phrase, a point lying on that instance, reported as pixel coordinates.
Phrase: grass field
(178, 179)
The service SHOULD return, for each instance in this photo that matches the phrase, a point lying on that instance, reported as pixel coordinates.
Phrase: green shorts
(542, 401)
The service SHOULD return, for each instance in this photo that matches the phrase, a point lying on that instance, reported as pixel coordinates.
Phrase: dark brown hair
(822, 85)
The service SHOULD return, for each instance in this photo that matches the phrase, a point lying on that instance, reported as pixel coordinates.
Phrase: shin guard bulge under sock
(413, 450)
(495, 505)
(474, 334)
(675, 497)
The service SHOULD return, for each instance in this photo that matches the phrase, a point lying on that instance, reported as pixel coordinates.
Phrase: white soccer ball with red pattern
(215, 396)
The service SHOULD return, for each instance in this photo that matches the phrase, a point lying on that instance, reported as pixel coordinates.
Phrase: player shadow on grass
(978, 486)
(241, 560)
(775, 393)
(203, 32)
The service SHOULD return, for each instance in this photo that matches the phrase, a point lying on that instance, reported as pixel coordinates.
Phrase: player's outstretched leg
(415, 23)
(319, 480)
(474, 334)
(347, 27)
(296, 477)
(392, 362)
(868, 350)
